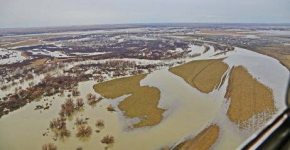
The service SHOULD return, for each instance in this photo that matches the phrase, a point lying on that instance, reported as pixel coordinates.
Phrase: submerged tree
(100, 123)
(58, 123)
(110, 108)
(108, 139)
(80, 121)
(92, 99)
(67, 108)
(79, 103)
(84, 131)
(75, 92)
(49, 146)
(64, 132)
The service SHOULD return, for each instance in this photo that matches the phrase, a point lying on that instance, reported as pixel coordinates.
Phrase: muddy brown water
(186, 116)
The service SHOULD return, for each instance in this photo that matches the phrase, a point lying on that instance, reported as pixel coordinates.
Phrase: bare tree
(108, 139)
(49, 146)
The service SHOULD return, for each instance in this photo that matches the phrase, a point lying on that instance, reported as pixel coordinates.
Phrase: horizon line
(165, 23)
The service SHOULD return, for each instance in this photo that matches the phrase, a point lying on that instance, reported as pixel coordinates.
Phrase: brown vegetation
(80, 121)
(248, 97)
(91, 99)
(67, 108)
(202, 141)
(221, 32)
(110, 108)
(279, 52)
(37, 62)
(79, 148)
(206, 49)
(47, 87)
(79, 103)
(51, 85)
(100, 123)
(58, 123)
(24, 43)
(29, 76)
(75, 92)
(205, 75)
(49, 146)
(58, 126)
(142, 103)
(84, 131)
(108, 139)
(119, 87)
(63, 133)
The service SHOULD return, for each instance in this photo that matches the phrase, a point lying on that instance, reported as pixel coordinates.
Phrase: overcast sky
(39, 13)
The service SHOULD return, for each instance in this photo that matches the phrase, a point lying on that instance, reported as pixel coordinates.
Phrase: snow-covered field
(89, 54)
(47, 53)
(12, 56)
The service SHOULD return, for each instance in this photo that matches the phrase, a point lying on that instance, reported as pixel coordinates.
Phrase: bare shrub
(49, 146)
(61, 91)
(100, 123)
(75, 92)
(110, 108)
(29, 76)
(108, 139)
(4, 87)
(92, 99)
(61, 113)
(99, 99)
(64, 132)
(79, 103)
(58, 123)
(67, 108)
(84, 131)
(89, 96)
(79, 148)
(80, 121)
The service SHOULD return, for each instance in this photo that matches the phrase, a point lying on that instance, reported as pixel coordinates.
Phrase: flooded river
(188, 111)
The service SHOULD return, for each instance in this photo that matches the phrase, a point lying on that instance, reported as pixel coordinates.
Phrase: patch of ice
(13, 56)
(89, 54)
(47, 53)
(250, 36)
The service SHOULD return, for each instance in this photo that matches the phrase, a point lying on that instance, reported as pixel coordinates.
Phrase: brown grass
(221, 32)
(55, 60)
(24, 43)
(279, 52)
(205, 75)
(142, 103)
(203, 141)
(38, 62)
(119, 87)
(248, 96)
(24, 55)
(288, 57)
